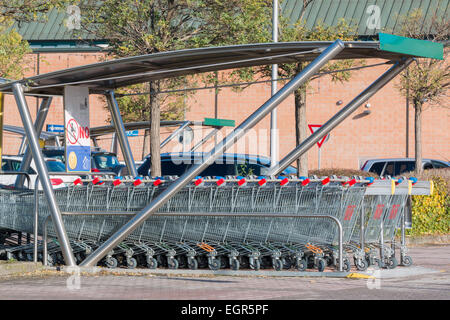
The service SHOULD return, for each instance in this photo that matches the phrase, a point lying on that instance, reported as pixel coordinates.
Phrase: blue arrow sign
(55, 128)
(132, 133)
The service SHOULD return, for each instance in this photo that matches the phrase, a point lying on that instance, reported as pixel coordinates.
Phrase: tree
(26, 10)
(299, 32)
(149, 26)
(426, 81)
(13, 49)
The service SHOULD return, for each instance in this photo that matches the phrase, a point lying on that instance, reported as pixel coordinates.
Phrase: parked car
(396, 166)
(175, 164)
(12, 163)
(101, 161)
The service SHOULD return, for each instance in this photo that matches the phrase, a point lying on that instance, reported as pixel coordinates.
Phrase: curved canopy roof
(113, 74)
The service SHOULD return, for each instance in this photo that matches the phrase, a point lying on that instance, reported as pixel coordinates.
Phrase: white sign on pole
(76, 124)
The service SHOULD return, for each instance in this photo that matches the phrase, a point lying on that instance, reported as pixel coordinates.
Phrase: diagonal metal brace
(343, 114)
(218, 150)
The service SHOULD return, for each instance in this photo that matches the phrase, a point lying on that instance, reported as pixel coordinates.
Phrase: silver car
(396, 166)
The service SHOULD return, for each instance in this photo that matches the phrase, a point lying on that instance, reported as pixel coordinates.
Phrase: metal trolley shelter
(231, 216)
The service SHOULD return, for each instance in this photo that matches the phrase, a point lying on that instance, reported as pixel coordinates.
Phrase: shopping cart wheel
(152, 263)
(277, 264)
(131, 263)
(346, 266)
(287, 263)
(302, 265)
(214, 264)
(50, 260)
(392, 263)
(361, 264)
(256, 265)
(407, 261)
(111, 262)
(235, 264)
(78, 257)
(321, 264)
(172, 263)
(192, 264)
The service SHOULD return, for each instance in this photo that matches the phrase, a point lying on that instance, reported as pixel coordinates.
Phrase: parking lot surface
(428, 278)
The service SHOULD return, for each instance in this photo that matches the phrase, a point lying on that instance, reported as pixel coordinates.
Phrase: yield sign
(313, 128)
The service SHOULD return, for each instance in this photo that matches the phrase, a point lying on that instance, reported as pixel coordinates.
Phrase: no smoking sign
(76, 132)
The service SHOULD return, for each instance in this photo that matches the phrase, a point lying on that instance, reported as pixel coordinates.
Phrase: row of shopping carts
(225, 222)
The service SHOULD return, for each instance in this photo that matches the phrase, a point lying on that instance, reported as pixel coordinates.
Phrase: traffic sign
(313, 128)
(57, 128)
(132, 133)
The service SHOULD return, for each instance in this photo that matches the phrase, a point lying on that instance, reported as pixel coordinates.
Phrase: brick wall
(378, 134)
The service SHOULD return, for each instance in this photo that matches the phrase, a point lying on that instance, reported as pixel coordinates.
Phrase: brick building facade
(375, 134)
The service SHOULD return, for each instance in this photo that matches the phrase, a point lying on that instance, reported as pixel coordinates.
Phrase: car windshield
(55, 166)
(105, 161)
(57, 157)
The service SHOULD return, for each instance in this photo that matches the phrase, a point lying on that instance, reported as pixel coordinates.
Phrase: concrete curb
(443, 239)
(8, 268)
(197, 273)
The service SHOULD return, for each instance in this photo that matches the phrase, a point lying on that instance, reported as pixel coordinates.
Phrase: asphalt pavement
(428, 278)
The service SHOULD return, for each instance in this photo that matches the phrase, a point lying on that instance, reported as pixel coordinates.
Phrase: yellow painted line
(409, 187)
(355, 275)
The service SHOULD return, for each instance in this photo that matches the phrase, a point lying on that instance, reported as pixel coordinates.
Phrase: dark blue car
(233, 164)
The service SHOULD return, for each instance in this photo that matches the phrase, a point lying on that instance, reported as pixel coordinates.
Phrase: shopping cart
(384, 215)
(215, 222)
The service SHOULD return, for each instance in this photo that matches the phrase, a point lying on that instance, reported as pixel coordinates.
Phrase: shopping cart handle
(241, 181)
(137, 181)
(262, 181)
(305, 181)
(117, 181)
(371, 180)
(78, 181)
(97, 181)
(284, 181)
(349, 182)
(413, 180)
(157, 182)
(326, 181)
(199, 181)
(220, 181)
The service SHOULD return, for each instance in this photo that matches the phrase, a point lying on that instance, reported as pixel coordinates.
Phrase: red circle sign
(73, 130)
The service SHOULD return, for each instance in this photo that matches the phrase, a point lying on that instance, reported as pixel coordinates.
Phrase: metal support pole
(38, 125)
(273, 114)
(343, 114)
(206, 138)
(36, 219)
(113, 146)
(120, 133)
(218, 150)
(381, 263)
(45, 236)
(43, 173)
(362, 227)
(180, 129)
(23, 145)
